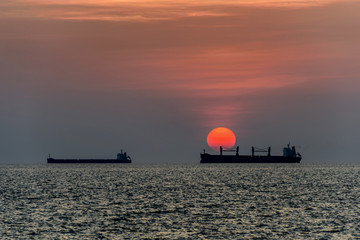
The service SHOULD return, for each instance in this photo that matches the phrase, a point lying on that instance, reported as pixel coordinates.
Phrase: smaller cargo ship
(289, 156)
(122, 157)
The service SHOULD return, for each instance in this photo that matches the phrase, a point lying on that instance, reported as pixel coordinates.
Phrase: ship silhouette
(289, 156)
(122, 157)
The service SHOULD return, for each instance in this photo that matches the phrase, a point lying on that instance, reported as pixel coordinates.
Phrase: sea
(180, 201)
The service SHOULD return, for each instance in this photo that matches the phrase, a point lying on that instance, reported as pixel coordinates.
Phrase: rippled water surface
(180, 201)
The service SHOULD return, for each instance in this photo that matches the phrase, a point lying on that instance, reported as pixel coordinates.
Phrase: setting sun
(221, 137)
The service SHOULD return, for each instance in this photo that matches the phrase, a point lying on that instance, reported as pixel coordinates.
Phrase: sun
(221, 137)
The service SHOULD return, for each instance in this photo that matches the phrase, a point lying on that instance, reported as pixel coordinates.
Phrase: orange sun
(221, 137)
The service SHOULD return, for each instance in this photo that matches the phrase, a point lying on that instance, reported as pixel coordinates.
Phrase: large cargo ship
(121, 158)
(289, 156)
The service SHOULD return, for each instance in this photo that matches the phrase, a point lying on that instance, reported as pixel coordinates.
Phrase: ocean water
(254, 201)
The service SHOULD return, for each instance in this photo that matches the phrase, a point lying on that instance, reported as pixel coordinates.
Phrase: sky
(87, 78)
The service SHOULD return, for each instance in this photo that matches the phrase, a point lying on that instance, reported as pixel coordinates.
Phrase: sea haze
(273, 201)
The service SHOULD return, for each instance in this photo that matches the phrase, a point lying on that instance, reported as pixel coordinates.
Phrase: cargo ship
(289, 156)
(122, 157)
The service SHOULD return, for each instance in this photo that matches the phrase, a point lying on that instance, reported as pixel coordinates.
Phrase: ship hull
(52, 160)
(208, 158)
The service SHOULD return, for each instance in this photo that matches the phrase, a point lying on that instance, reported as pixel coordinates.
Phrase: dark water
(180, 201)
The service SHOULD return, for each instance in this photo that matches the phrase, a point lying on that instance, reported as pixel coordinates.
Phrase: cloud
(135, 11)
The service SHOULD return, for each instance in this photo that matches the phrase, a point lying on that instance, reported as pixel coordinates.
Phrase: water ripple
(180, 201)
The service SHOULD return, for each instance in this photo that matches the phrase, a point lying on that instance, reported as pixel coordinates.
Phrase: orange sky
(139, 10)
(200, 65)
